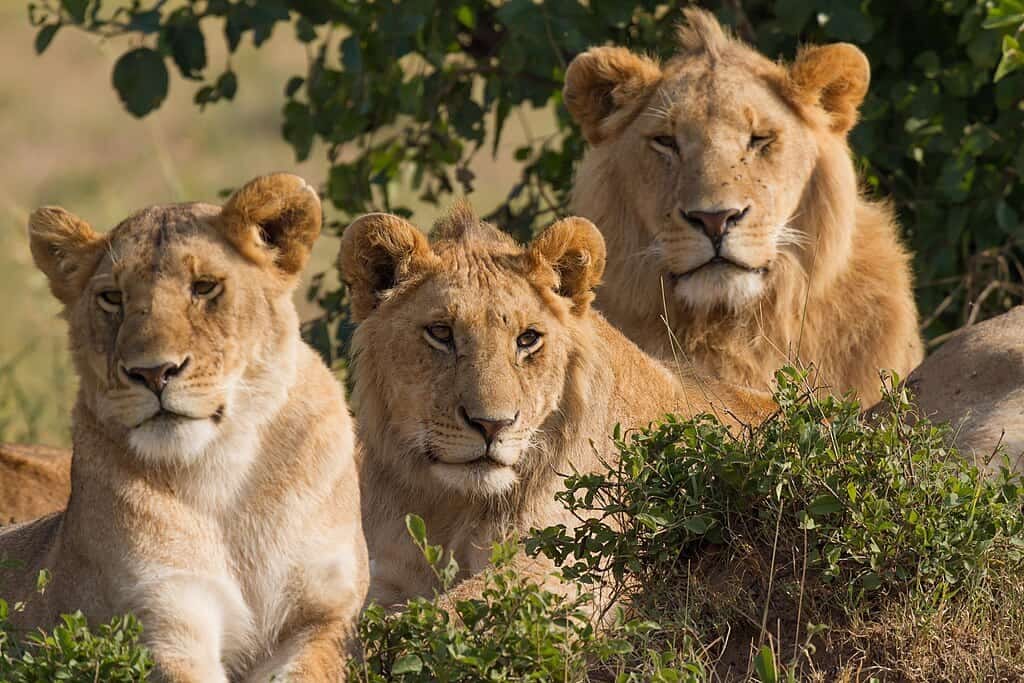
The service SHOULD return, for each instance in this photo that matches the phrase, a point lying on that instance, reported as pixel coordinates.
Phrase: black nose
(156, 377)
(489, 427)
(715, 223)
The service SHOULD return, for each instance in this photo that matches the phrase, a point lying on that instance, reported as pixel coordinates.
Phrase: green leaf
(298, 128)
(141, 80)
(407, 664)
(76, 9)
(871, 581)
(825, 504)
(188, 47)
(417, 528)
(1014, 20)
(227, 85)
(465, 16)
(45, 36)
(764, 665)
(699, 524)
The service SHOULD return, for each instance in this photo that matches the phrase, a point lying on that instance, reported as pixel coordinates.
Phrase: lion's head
(465, 342)
(180, 315)
(717, 160)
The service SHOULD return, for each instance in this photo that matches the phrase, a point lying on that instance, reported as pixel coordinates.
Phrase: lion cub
(482, 375)
(213, 488)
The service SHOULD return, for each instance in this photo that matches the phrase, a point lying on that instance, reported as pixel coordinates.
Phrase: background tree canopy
(408, 92)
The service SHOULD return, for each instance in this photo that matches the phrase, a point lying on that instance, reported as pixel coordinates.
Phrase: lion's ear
(575, 249)
(836, 78)
(65, 248)
(274, 220)
(605, 87)
(378, 252)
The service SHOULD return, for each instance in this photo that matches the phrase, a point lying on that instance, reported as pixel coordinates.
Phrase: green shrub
(884, 506)
(73, 653)
(516, 630)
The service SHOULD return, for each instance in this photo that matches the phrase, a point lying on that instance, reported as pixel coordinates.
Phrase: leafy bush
(516, 630)
(71, 652)
(404, 95)
(883, 506)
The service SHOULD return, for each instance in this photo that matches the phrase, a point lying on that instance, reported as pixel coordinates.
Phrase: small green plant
(72, 653)
(515, 630)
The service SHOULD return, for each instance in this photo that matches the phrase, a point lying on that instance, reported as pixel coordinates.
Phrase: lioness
(213, 487)
(34, 481)
(482, 375)
(723, 184)
(975, 381)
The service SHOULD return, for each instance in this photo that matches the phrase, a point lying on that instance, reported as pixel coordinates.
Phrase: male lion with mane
(213, 483)
(482, 375)
(724, 186)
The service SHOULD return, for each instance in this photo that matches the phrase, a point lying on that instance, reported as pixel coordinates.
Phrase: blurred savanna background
(68, 141)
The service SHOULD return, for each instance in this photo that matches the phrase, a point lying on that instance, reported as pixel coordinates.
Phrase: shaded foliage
(408, 93)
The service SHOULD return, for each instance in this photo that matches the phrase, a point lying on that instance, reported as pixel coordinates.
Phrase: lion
(975, 381)
(213, 478)
(34, 481)
(482, 376)
(737, 237)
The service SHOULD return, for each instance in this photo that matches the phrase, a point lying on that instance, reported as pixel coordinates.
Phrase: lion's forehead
(175, 239)
(726, 96)
(486, 296)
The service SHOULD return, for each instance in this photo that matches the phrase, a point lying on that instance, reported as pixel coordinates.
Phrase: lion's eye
(761, 141)
(528, 340)
(666, 141)
(110, 300)
(207, 288)
(439, 335)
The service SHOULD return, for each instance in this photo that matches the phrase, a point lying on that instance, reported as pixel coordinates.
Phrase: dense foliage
(406, 94)
(882, 505)
(820, 512)
(516, 630)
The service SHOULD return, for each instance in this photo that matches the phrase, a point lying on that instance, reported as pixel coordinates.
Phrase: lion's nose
(489, 427)
(155, 377)
(715, 223)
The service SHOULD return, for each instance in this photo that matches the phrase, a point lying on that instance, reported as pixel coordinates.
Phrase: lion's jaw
(220, 387)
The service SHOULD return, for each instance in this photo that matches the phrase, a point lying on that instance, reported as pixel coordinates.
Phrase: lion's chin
(172, 440)
(483, 477)
(719, 286)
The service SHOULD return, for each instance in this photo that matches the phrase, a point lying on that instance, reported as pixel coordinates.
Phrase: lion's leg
(189, 621)
(316, 654)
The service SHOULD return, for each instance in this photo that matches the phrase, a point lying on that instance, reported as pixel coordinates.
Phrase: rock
(34, 481)
(975, 381)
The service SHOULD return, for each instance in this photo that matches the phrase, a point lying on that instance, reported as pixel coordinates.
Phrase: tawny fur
(975, 381)
(413, 393)
(229, 526)
(34, 481)
(824, 277)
